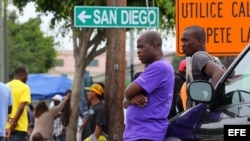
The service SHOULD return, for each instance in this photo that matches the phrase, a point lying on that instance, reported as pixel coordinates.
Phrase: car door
(234, 108)
(212, 125)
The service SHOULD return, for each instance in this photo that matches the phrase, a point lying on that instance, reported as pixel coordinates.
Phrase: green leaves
(28, 46)
(63, 9)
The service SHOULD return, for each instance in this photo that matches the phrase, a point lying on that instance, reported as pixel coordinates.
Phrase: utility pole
(115, 76)
(5, 38)
(4, 75)
(132, 46)
(2, 41)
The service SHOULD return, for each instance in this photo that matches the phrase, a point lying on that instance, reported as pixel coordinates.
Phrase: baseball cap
(57, 97)
(182, 65)
(97, 88)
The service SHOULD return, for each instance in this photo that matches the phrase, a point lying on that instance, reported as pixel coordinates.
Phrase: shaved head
(152, 37)
(198, 32)
(149, 45)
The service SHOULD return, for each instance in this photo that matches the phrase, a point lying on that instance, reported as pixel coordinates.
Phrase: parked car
(228, 103)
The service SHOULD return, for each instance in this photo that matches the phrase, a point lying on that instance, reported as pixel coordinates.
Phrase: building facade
(66, 65)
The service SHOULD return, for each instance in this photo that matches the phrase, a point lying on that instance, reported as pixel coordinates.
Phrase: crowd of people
(154, 96)
(20, 121)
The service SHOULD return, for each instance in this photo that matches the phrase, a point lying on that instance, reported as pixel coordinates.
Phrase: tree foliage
(176, 61)
(28, 46)
(62, 9)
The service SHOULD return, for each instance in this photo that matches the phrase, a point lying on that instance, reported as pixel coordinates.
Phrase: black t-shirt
(97, 115)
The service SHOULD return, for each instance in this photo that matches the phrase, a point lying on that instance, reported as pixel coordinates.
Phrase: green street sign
(116, 17)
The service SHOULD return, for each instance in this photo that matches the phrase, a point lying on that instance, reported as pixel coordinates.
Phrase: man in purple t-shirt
(146, 117)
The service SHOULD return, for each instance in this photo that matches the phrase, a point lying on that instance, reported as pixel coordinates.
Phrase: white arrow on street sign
(116, 17)
(82, 16)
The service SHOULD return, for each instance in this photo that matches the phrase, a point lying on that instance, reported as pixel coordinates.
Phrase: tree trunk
(115, 77)
(74, 104)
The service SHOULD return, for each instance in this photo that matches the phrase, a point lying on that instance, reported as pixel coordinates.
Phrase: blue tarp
(45, 86)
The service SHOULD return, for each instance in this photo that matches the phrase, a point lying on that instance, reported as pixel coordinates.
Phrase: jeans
(18, 136)
(2, 138)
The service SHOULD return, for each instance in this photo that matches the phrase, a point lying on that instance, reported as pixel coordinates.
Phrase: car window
(237, 86)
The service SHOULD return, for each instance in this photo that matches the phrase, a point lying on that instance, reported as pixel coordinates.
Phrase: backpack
(216, 60)
(177, 106)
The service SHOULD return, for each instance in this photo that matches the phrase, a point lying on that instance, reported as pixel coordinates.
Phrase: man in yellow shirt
(17, 125)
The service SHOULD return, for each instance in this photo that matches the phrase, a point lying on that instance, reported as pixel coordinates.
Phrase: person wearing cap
(44, 117)
(95, 125)
(180, 78)
(59, 132)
